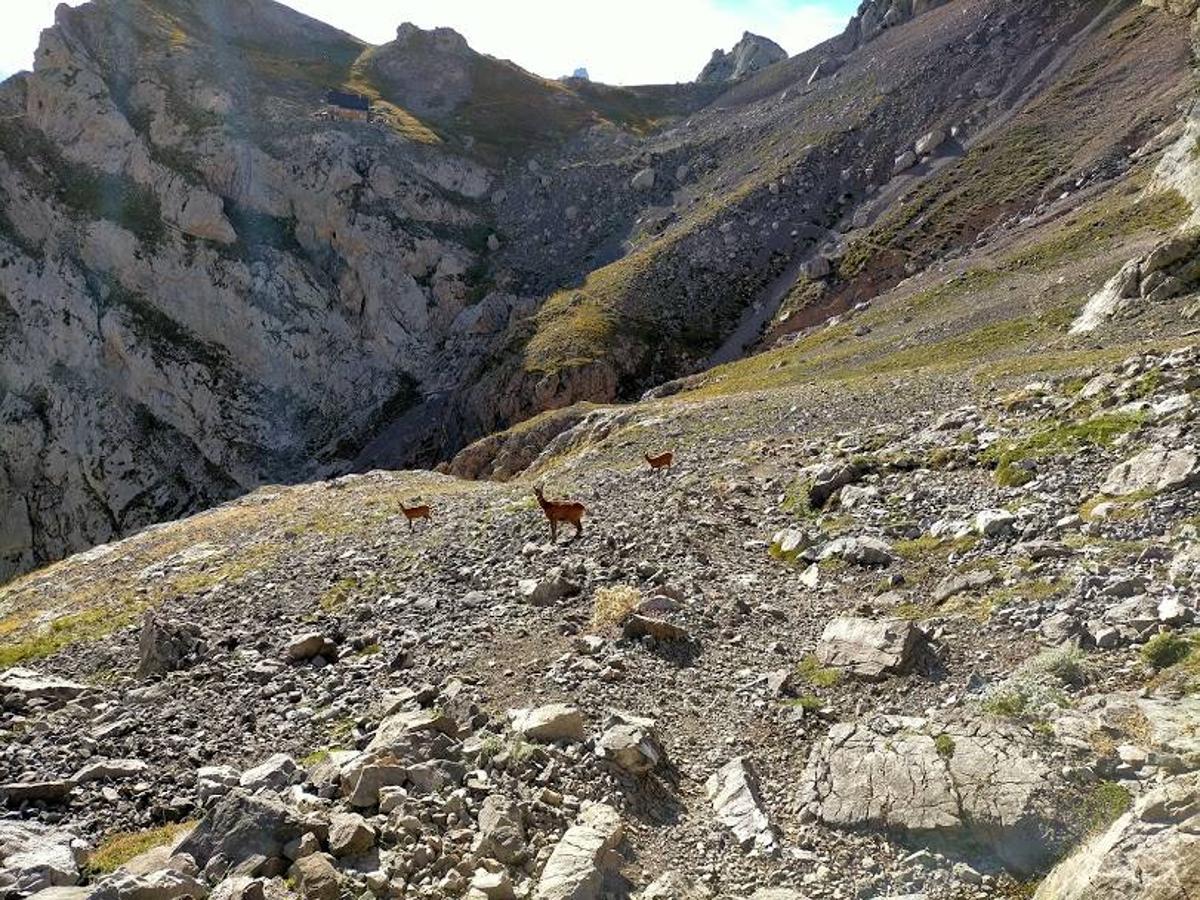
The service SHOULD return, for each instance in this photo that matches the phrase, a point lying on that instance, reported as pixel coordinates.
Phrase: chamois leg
(553, 531)
(411, 528)
(578, 531)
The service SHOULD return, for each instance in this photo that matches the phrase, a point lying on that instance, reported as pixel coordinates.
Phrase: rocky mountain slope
(216, 280)
(913, 614)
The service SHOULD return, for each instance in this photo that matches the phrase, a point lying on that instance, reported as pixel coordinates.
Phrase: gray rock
(578, 864)
(751, 54)
(1156, 469)
(676, 886)
(994, 522)
(167, 646)
(643, 180)
(34, 857)
(631, 743)
(958, 785)
(26, 685)
(734, 793)
(109, 770)
(350, 835)
(317, 877)
(546, 724)
(164, 884)
(859, 551)
(274, 774)
(240, 826)
(501, 829)
(868, 648)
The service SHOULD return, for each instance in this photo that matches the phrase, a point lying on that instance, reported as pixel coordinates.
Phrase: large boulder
(1155, 469)
(963, 786)
(734, 793)
(868, 648)
(1150, 853)
(580, 861)
(20, 686)
(549, 723)
(167, 646)
(163, 884)
(240, 826)
(631, 743)
(34, 857)
(501, 829)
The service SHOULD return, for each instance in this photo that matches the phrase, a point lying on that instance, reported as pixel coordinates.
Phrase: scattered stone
(547, 724)
(869, 649)
(734, 793)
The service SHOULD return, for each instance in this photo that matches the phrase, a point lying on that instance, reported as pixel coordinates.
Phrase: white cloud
(619, 41)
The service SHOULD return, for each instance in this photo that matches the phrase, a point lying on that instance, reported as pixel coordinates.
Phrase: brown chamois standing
(412, 513)
(661, 462)
(557, 511)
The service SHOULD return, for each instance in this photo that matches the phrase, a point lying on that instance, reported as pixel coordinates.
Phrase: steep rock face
(751, 54)
(210, 279)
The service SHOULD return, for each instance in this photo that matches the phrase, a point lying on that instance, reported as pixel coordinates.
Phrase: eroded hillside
(215, 279)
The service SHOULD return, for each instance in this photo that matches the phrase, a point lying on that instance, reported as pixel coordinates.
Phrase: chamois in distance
(412, 513)
(558, 511)
(662, 462)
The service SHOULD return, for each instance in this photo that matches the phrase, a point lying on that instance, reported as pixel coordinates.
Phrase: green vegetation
(1056, 439)
(1104, 804)
(1066, 664)
(1098, 224)
(1007, 704)
(336, 595)
(816, 674)
(810, 703)
(944, 744)
(1165, 650)
(118, 849)
(89, 625)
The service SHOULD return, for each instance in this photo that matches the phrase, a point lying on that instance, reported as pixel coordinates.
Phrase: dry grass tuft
(613, 605)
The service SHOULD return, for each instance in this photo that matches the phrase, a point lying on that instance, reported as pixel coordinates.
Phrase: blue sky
(619, 41)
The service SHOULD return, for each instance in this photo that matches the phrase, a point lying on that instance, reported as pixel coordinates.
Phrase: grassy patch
(1104, 804)
(118, 849)
(335, 596)
(1097, 225)
(613, 605)
(944, 744)
(1165, 650)
(1007, 704)
(1057, 439)
(89, 625)
(812, 671)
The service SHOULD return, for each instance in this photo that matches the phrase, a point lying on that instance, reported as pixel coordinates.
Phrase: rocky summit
(422, 479)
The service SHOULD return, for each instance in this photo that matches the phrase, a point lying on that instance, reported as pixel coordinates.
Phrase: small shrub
(1106, 803)
(818, 675)
(1066, 664)
(944, 744)
(808, 702)
(1008, 704)
(1165, 650)
(613, 605)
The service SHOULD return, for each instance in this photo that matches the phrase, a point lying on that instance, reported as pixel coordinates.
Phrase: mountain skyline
(541, 39)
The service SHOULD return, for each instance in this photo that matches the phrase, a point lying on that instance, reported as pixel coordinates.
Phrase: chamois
(412, 513)
(662, 461)
(557, 511)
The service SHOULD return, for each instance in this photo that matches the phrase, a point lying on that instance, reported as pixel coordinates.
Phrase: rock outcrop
(749, 55)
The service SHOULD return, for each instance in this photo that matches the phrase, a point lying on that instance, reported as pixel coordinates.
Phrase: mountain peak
(749, 55)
